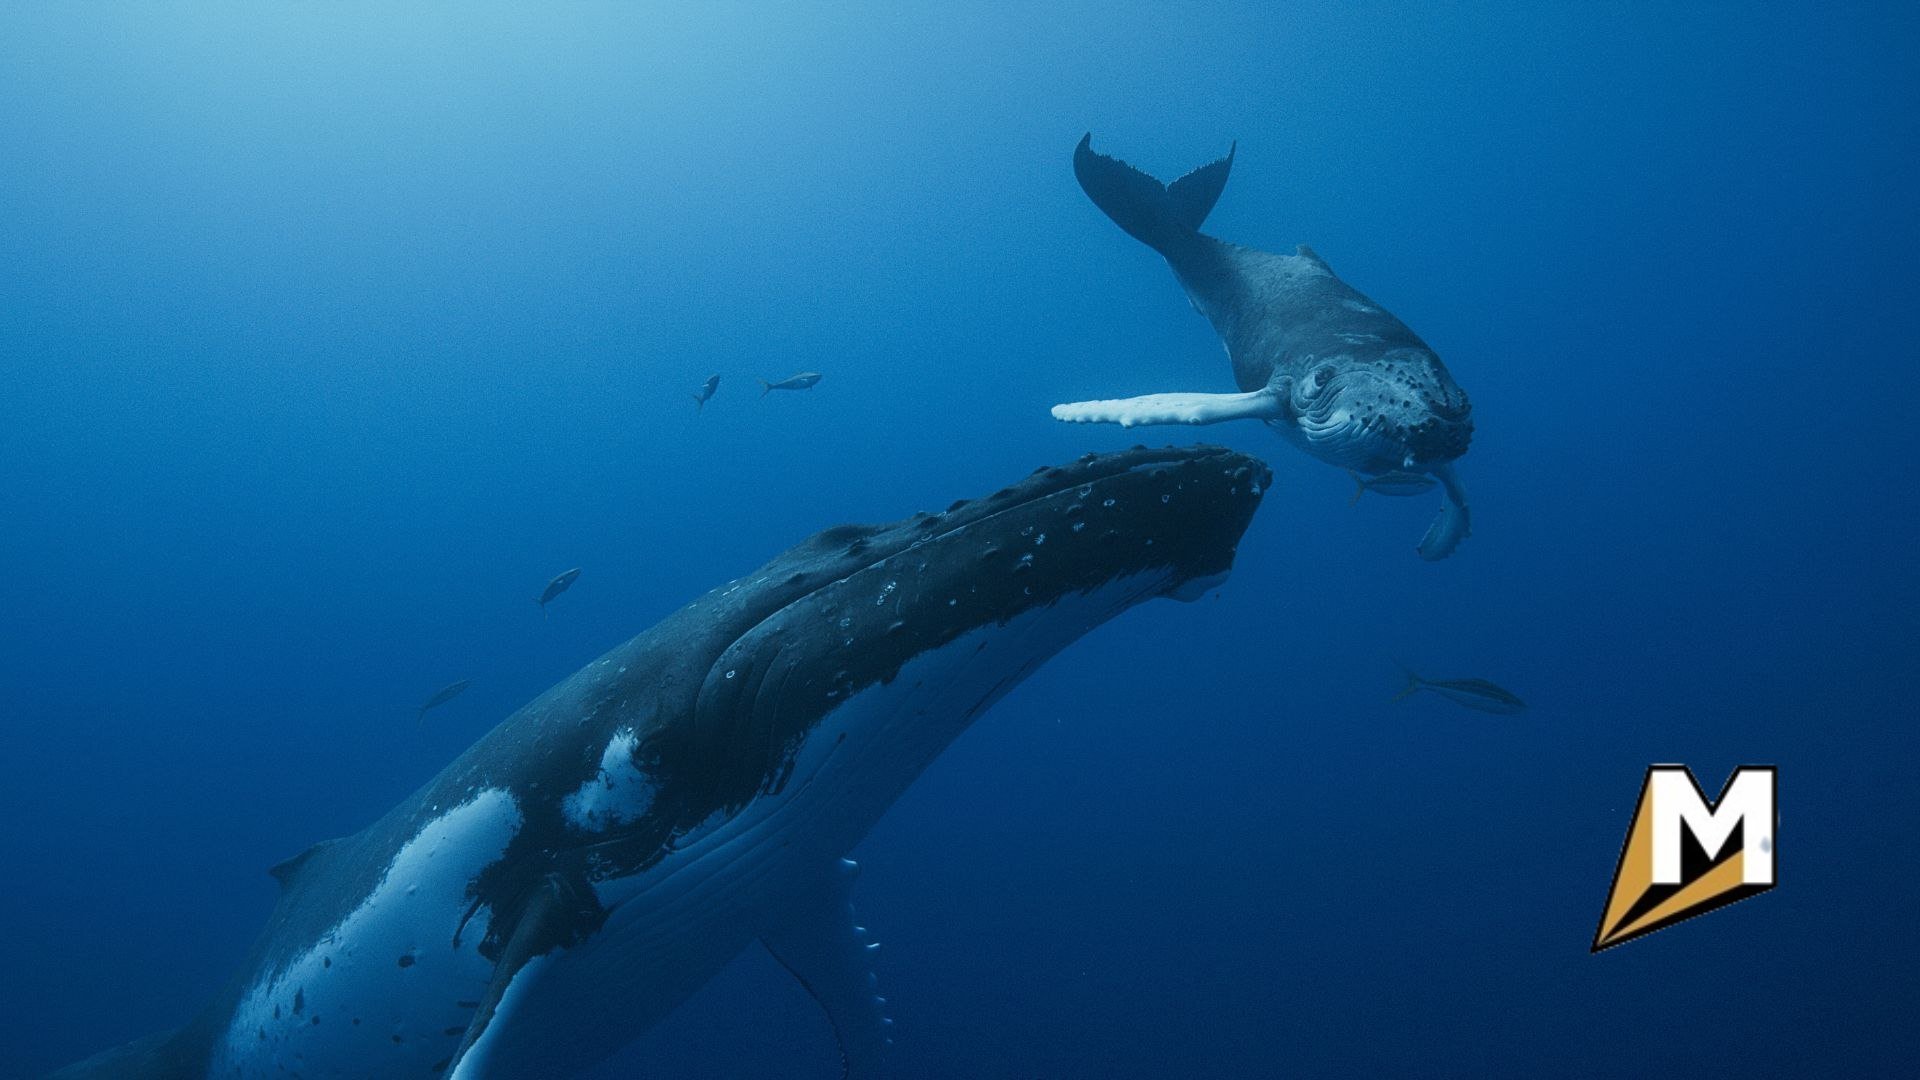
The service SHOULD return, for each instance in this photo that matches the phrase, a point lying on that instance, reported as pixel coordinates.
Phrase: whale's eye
(1322, 376)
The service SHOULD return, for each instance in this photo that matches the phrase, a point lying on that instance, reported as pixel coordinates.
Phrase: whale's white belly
(387, 991)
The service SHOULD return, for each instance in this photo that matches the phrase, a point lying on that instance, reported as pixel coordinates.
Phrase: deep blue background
(327, 336)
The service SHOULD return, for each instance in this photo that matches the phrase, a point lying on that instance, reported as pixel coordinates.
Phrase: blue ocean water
(328, 334)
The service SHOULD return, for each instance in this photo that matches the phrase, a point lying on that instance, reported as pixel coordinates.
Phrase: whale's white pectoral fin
(540, 928)
(1175, 409)
(1453, 524)
(833, 959)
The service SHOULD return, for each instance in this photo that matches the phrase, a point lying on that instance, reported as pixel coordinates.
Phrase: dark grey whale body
(593, 860)
(1330, 370)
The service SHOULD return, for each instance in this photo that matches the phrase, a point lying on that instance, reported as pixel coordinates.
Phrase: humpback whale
(597, 857)
(1330, 370)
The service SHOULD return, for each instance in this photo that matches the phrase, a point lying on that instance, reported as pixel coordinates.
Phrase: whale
(591, 861)
(1333, 372)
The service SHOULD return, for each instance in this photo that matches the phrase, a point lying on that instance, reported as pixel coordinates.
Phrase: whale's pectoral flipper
(1265, 404)
(1452, 525)
(833, 959)
(552, 916)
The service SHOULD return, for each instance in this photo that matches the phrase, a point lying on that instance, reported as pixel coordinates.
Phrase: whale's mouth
(1364, 420)
(1117, 528)
(1100, 516)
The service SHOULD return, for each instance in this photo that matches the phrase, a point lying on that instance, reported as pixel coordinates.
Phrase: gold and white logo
(1685, 856)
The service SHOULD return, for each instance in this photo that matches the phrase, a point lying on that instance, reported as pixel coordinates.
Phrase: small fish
(705, 393)
(1473, 693)
(555, 587)
(802, 381)
(441, 697)
(1390, 483)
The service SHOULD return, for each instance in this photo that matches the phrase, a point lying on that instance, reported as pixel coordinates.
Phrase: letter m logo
(1685, 856)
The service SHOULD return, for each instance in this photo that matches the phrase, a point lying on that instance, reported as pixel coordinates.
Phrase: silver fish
(1390, 483)
(441, 697)
(705, 393)
(801, 381)
(555, 587)
(1478, 694)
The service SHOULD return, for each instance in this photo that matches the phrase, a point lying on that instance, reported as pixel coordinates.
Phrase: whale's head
(887, 641)
(1395, 411)
(816, 688)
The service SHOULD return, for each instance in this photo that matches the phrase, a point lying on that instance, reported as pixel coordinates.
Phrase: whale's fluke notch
(1153, 213)
(830, 954)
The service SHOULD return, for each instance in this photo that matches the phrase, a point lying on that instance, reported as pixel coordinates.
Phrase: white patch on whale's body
(670, 928)
(619, 794)
(386, 992)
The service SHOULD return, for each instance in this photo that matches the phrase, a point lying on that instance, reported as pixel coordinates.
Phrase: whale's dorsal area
(589, 863)
(1333, 372)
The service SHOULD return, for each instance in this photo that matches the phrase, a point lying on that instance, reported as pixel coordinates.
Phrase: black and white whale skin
(604, 851)
(1330, 370)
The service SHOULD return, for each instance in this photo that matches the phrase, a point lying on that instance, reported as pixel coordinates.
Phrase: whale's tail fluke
(1153, 213)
